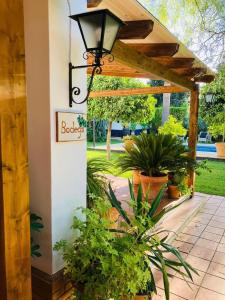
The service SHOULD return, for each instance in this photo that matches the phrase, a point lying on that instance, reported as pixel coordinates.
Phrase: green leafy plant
(35, 226)
(96, 181)
(143, 226)
(100, 263)
(152, 154)
(217, 128)
(172, 126)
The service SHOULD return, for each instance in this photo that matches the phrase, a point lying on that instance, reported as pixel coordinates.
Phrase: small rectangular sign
(70, 126)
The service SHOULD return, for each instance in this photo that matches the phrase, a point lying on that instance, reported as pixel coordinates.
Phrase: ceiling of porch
(147, 49)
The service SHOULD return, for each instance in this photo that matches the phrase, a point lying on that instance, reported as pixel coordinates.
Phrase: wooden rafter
(136, 30)
(205, 78)
(190, 71)
(130, 57)
(93, 3)
(156, 49)
(139, 91)
(175, 62)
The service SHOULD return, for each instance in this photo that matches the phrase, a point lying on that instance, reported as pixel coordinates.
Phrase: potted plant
(128, 142)
(217, 130)
(153, 156)
(142, 224)
(177, 185)
(100, 263)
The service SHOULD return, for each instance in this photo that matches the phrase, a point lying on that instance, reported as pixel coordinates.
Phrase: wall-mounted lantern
(99, 30)
(209, 97)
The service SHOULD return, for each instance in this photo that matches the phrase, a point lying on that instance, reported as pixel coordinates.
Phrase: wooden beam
(156, 49)
(193, 129)
(15, 261)
(139, 91)
(205, 78)
(190, 72)
(93, 3)
(136, 30)
(175, 62)
(134, 59)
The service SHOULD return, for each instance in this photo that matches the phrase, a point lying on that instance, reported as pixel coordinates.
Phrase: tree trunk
(166, 105)
(108, 140)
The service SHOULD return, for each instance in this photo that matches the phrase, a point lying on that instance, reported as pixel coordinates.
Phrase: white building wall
(57, 170)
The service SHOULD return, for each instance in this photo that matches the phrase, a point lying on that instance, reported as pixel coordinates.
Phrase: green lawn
(209, 183)
(113, 141)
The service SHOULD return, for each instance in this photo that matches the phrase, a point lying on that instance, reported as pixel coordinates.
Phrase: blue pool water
(206, 148)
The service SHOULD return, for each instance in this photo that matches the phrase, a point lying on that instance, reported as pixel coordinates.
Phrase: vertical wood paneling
(15, 273)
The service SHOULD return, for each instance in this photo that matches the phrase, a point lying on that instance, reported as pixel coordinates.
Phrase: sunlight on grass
(210, 183)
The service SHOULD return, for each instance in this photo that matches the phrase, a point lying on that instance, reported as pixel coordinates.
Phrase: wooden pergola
(146, 49)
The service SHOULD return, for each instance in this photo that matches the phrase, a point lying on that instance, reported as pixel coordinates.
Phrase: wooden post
(15, 268)
(193, 129)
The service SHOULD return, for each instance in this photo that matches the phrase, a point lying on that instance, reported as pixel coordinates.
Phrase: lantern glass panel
(209, 98)
(91, 26)
(111, 29)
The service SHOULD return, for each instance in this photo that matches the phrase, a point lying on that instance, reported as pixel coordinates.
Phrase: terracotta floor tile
(218, 219)
(217, 224)
(219, 257)
(198, 263)
(221, 248)
(219, 231)
(172, 297)
(195, 229)
(205, 294)
(208, 211)
(187, 238)
(183, 246)
(180, 288)
(202, 252)
(216, 270)
(206, 243)
(211, 236)
(197, 278)
(220, 213)
(205, 216)
(214, 283)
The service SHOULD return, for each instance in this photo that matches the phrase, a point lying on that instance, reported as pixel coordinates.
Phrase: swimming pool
(206, 148)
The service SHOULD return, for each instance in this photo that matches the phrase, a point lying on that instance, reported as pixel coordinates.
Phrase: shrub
(172, 126)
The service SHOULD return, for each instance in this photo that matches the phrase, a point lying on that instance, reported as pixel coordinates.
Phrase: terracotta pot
(173, 192)
(128, 144)
(152, 185)
(220, 148)
(113, 216)
(136, 177)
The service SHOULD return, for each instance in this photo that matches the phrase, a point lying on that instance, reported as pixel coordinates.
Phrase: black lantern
(99, 30)
(209, 97)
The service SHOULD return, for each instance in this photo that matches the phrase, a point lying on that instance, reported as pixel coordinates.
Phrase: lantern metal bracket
(75, 91)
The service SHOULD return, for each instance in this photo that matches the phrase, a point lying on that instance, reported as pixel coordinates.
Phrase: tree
(217, 129)
(208, 111)
(202, 23)
(129, 109)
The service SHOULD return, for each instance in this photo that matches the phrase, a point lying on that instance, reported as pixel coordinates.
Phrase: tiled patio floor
(203, 245)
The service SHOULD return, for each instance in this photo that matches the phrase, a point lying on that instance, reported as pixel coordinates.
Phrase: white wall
(57, 170)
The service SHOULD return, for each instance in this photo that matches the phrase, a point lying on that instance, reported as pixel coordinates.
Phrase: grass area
(210, 183)
(113, 141)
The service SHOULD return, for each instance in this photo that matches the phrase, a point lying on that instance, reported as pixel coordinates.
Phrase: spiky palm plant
(142, 224)
(96, 181)
(152, 154)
